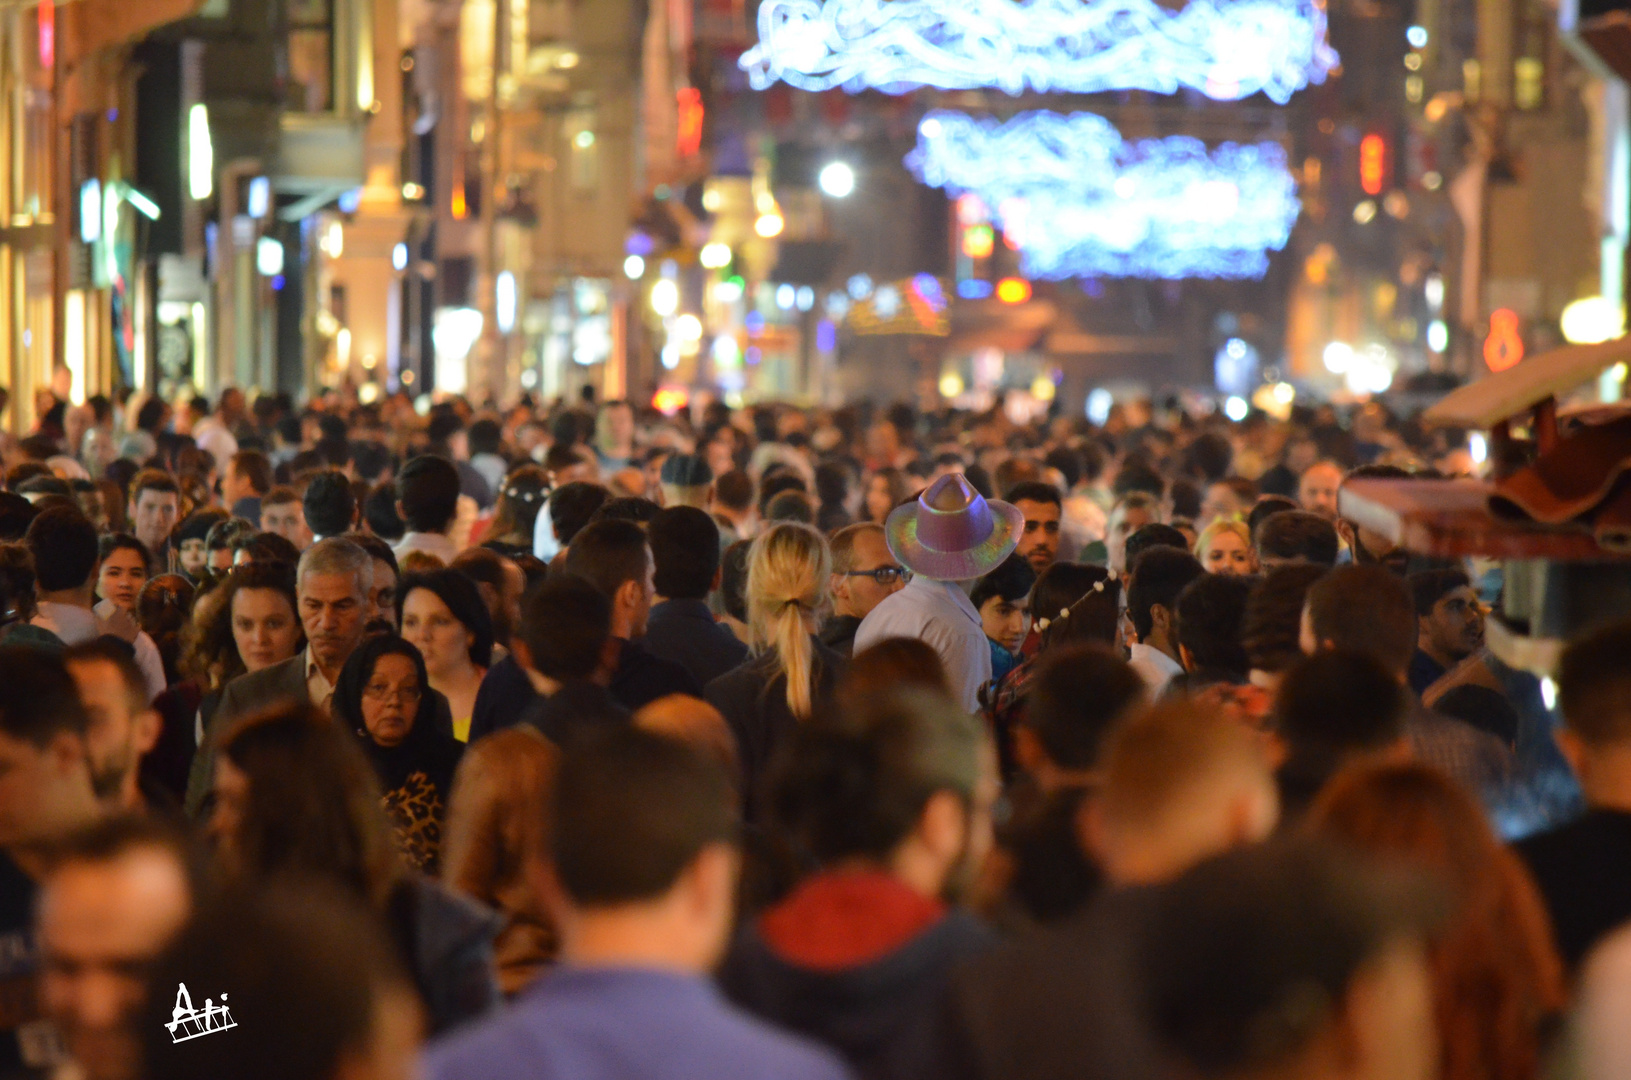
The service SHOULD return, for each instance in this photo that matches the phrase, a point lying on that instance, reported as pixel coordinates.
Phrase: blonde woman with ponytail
(791, 674)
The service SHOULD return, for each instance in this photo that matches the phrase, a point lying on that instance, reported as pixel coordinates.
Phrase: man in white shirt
(427, 500)
(64, 545)
(949, 538)
(1152, 598)
(214, 432)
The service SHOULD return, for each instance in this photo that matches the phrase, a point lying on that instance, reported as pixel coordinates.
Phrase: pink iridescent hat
(952, 532)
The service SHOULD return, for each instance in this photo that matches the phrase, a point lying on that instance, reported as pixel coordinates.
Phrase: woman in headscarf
(384, 696)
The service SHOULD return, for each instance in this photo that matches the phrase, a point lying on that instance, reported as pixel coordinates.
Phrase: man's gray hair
(337, 555)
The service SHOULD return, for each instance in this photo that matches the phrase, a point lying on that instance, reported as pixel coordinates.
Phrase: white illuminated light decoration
(200, 154)
(1227, 49)
(505, 299)
(1156, 208)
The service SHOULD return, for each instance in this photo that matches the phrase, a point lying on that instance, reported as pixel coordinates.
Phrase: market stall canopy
(1497, 398)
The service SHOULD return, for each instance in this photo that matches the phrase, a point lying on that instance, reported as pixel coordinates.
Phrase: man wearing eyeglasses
(863, 573)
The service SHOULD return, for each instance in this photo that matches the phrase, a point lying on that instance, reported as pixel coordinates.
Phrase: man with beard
(116, 894)
(1450, 624)
(1043, 508)
(122, 726)
(894, 802)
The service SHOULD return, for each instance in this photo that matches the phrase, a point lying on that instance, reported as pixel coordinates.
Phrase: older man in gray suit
(333, 583)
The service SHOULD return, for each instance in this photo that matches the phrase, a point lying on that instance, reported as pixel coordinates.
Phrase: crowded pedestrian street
(815, 540)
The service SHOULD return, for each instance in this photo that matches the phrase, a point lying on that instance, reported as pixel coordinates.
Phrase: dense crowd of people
(574, 740)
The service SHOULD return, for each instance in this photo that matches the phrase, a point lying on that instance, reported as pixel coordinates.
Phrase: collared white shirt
(317, 684)
(940, 614)
(1155, 667)
(430, 543)
(76, 625)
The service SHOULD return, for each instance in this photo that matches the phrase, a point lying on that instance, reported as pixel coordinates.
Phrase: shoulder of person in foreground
(544, 1037)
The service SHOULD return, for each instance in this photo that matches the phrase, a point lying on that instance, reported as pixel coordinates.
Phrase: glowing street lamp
(837, 179)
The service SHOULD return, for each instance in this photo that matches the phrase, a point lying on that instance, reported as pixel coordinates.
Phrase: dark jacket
(575, 708)
(446, 942)
(874, 1014)
(1056, 1004)
(642, 678)
(256, 690)
(753, 701)
(505, 695)
(839, 634)
(685, 632)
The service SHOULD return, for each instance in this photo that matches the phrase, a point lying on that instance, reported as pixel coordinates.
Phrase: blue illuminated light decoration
(1226, 49)
(1156, 208)
(974, 289)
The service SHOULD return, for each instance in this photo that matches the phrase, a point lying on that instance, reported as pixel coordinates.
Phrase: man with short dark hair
(246, 478)
(283, 513)
(45, 795)
(1152, 606)
(685, 550)
(1583, 868)
(117, 893)
(892, 802)
(1078, 695)
(330, 505)
(564, 629)
(155, 506)
(123, 726)
(1332, 709)
(644, 847)
(1450, 623)
(500, 582)
(733, 502)
(686, 480)
(1369, 609)
(1296, 536)
(427, 499)
(615, 558)
(1043, 509)
(1002, 597)
(66, 558)
(568, 510)
(864, 573)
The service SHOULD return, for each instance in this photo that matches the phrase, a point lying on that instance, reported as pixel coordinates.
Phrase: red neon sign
(689, 102)
(48, 33)
(1372, 163)
(1504, 346)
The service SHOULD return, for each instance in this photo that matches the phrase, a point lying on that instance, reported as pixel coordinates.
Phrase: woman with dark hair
(1071, 603)
(18, 600)
(264, 547)
(885, 489)
(1497, 977)
(296, 799)
(163, 609)
(247, 623)
(384, 696)
(521, 496)
(442, 614)
(122, 570)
